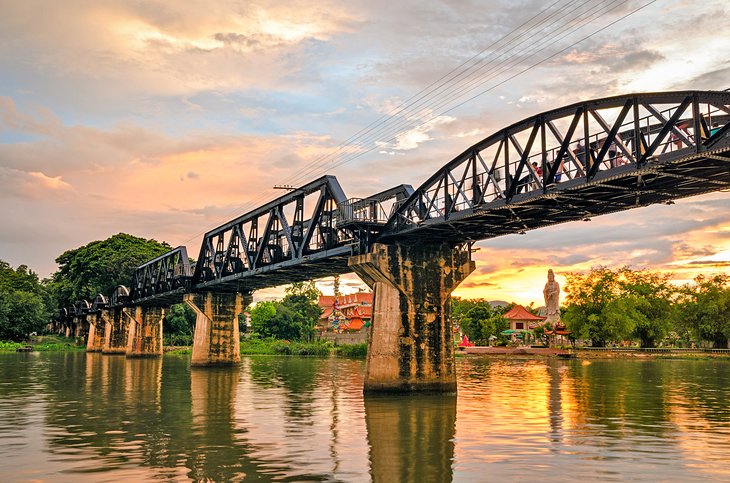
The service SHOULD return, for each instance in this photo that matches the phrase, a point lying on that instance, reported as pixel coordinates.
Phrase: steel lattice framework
(162, 279)
(572, 163)
(294, 237)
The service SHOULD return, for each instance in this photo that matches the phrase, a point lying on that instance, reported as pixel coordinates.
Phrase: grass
(45, 343)
(358, 351)
(319, 348)
(284, 347)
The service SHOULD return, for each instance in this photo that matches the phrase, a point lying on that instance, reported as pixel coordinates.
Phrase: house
(520, 319)
(345, 312)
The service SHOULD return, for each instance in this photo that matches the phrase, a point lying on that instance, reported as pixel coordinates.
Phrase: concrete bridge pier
(411, 340)
(216, 341)
(116, 331)
(97, 331)
(145, 332)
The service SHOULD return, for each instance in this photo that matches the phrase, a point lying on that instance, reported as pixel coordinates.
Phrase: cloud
(31, 185)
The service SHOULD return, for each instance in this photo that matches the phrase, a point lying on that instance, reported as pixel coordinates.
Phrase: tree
(100, 266)
(481, 321)
(705, 309)
(587, 296)
(24, 306)
(292, 318)
(179, 324)
(261, 316)
(606, 305)
(647, 301)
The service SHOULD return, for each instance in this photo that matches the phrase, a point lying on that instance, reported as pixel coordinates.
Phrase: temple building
(342, 313)
(520, 319)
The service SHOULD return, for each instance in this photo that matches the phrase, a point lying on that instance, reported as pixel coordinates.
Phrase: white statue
(551, 292)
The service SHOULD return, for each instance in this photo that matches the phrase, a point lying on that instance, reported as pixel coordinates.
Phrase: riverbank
(274, 347)
(601, 352)
(45, 343)
(53, 343)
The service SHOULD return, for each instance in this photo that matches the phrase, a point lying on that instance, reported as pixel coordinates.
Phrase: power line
(456, 92)
(404, 126)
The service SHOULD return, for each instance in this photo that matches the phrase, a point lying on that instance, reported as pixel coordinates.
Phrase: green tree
(606, 305)
(704, 309)
(647, 301)
(179, 324)
(481, 321)
(261, 316)
(24, 306)
(100, 266)
(292, 318)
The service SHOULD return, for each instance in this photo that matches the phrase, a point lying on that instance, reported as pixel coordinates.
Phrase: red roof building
(346, 312)
(520, 319)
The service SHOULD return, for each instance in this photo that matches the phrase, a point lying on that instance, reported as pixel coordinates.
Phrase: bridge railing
(373, 211)
(576, 142)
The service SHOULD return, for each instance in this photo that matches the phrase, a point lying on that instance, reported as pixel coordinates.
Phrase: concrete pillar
(411, 339)
(145, 332)
(97, 332)
(216, 341)
(117, 331)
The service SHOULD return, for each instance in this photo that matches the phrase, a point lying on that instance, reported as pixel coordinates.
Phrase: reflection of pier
(411, 439)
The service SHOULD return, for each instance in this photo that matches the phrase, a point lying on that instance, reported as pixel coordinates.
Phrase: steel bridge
(571, 163)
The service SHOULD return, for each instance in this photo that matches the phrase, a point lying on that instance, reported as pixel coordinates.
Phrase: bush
(352, 350)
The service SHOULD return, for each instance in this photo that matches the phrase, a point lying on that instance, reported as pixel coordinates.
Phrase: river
(88, 417)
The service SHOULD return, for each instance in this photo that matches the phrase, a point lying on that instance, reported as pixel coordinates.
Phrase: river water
(88, 417)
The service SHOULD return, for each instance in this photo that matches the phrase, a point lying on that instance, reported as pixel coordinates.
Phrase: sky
(166, 119)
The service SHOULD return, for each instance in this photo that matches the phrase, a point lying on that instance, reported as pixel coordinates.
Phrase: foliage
(478, 319)
(271, 346)
(359, 351)
(24, 302)
(45, 344)
(604, 305)
(292, 318)
(704, 309)
(100, 266)
(178, 325)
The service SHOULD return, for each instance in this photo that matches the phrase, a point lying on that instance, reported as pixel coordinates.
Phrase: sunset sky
(166, 119)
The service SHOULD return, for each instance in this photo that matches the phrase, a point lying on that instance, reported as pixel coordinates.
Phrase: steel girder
(162, 279)
(570, 163)
(294, 237)
(120, 296)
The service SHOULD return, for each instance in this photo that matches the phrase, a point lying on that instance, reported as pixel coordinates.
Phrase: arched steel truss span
(572, 163)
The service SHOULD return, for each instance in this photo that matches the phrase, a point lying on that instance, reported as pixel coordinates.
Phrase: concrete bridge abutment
(145, 332)
(117, 331)
(216, 341)
(411, 340)
(97, 331)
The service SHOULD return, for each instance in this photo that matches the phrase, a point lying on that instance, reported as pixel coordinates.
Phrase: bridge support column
(97, 332)
(117, 331)
(217, 340)
(411, 340)
(145, 332)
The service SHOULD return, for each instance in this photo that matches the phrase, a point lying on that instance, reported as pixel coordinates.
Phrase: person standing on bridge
(580, 154)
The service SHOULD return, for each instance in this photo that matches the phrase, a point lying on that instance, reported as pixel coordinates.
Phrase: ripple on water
(94, 418)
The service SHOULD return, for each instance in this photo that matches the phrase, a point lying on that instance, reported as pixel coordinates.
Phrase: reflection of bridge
(572, 163)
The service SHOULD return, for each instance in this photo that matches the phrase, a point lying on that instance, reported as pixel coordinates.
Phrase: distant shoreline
(599, 352)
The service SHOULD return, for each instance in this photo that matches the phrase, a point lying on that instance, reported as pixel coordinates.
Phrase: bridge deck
(575, 162)
(621, 188)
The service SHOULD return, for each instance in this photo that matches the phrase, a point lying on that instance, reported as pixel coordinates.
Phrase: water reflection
(411, 438)
(89, 417)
